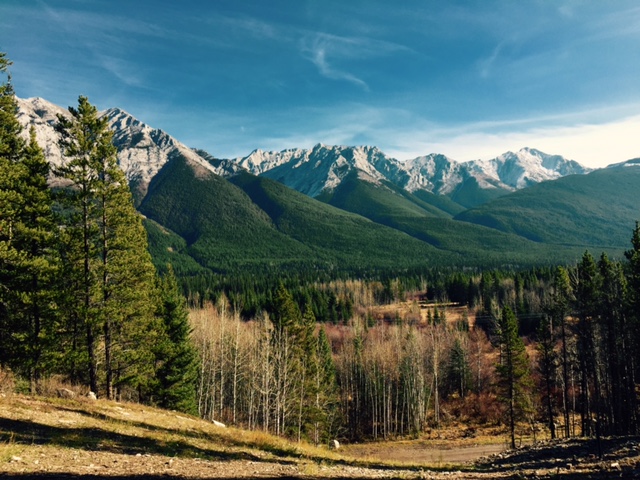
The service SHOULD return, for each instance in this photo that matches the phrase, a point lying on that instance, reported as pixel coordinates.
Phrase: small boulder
(334, 445)
(66, 393)
(218, 424)
(92, 396)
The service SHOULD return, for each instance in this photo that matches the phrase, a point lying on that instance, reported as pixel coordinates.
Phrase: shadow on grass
(278, 451)
(72, 476)
(184, 449)
(197, 433)
(95, 439)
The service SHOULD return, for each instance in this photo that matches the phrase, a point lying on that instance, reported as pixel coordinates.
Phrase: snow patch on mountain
(143, 151)
(435, 173)
(321, 168)
(525, 167)
(324, 167)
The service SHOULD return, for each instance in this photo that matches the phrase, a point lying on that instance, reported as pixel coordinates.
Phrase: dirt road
(422, 453)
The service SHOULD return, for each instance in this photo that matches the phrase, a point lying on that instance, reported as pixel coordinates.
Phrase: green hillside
(379, 203)
(201, 222)
(478, 245)
(166, 247)
(204, 221)
(441, 202)
(336, 234)
(469, 194)
(221, 227)
(594, 210)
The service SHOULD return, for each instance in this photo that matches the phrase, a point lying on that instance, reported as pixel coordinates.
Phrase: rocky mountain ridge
(321, 168)
(143, 151)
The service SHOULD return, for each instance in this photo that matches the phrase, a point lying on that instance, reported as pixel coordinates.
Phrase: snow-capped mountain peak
(324, 167)
(142, 150)
(42, 116)
(320, 168)
(526, 167)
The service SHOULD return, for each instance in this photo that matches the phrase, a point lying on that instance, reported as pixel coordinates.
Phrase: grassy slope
(69, 439)
(43, 437)
(594, 210)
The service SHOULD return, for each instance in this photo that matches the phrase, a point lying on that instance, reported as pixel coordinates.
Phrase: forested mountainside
(210, 215)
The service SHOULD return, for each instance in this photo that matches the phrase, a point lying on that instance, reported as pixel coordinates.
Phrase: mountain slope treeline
(208, 219)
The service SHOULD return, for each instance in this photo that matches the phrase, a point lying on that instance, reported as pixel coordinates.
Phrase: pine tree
(108, 262)
(11, 148)
(177, 370)
(586, 291)
(513, 371)
(307, 351)
(326, 391)
(633, 299)
(559, 310)
(616, 340)
(547, 366)
(28, 263)
(287, 368)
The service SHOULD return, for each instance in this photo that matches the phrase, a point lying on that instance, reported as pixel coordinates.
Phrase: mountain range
(339, 207)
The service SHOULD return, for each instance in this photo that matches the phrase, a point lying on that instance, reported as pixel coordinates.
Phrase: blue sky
(469, 79)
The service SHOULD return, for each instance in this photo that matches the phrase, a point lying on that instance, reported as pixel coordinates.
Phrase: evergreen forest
(311, 354)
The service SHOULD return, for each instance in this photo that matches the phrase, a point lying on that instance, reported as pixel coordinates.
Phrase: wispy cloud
(622, 23)
(124, 71)
(486, 64)
(102, 42)
(317, 53)
(325, 50)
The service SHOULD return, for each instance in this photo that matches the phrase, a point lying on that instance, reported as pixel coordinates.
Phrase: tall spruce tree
(459, 370)
(618, 409)
(11, 148)
(559, 310)
(28, 262)
(633, 299)
(286, 361)
(547, 367)
(176, 359)
(326, 391)
(513, 371)
(308, 346)
(586, 291)
(109, 265)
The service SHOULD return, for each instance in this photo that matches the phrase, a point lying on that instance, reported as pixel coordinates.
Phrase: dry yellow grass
(78, 436)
